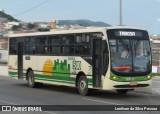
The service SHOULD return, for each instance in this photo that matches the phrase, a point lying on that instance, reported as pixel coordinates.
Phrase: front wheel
(83, 86)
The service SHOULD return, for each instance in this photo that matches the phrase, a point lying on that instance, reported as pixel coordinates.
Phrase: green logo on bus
(77, 65)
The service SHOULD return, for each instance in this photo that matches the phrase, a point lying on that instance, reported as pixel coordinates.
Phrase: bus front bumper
(110, 84)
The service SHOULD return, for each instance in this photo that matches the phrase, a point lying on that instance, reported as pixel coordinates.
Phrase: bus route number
(77, 65)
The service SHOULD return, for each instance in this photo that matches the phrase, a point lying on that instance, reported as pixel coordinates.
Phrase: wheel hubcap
(31, 79)
(83, 85)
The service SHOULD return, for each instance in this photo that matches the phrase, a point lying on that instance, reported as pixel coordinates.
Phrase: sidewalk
(3, 70)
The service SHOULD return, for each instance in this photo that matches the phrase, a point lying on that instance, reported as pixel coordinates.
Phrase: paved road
(16, 92)
(156, 85)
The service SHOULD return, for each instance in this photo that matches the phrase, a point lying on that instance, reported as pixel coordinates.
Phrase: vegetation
(9, 17)
(82, 22)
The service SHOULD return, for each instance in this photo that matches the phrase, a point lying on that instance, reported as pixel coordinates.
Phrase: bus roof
(70, 31)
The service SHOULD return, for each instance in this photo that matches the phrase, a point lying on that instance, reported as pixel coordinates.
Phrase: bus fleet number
(77, 65)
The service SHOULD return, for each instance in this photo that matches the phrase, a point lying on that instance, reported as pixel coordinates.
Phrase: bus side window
(54, 45)
(42, 45)
(30, 45)
(13, 49)
(82, 44)
(46, 49)
(68, 49)
(63, 50)
(68, 44)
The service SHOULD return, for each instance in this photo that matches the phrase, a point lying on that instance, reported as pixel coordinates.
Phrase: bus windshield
(130, 55)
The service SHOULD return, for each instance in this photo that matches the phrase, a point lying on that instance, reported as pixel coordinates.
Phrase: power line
(30, 9)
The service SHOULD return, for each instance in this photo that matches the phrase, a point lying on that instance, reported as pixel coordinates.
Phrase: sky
(141, 13)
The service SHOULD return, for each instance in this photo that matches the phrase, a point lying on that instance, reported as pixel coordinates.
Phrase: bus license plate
(133, 83)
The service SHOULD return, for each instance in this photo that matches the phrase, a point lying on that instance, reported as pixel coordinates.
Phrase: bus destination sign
(128, 33)
(124, 33)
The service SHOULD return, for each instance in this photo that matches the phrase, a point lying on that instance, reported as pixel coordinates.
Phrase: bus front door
(20, 60)
(96, 62)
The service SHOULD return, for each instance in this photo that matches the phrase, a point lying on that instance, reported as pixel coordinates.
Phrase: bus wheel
(122, 91)
(83, 86)
(31, 82)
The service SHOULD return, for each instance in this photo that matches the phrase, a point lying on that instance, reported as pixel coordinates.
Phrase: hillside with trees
(9, 17)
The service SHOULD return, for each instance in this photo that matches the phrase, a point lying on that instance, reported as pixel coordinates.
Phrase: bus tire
(122, 91)
(83, 86)
(31, 80)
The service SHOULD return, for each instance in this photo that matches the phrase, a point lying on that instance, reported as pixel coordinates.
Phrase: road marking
(101, 101)
(8, 102)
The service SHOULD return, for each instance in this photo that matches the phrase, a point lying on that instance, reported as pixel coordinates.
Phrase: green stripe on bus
(16, 74)
(12, 73)
(52, 78)
(55, 80)
(60, 78)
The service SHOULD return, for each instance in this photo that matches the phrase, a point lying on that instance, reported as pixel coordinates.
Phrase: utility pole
(120, 12)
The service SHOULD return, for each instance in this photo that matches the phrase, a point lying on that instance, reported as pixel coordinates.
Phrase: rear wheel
(122, 91)
(83, 86)
(31, 80)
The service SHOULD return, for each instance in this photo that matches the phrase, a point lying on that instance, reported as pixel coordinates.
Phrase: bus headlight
(114, 77)
(149, 77)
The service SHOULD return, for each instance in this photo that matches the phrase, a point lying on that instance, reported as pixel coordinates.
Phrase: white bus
(111, 58)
